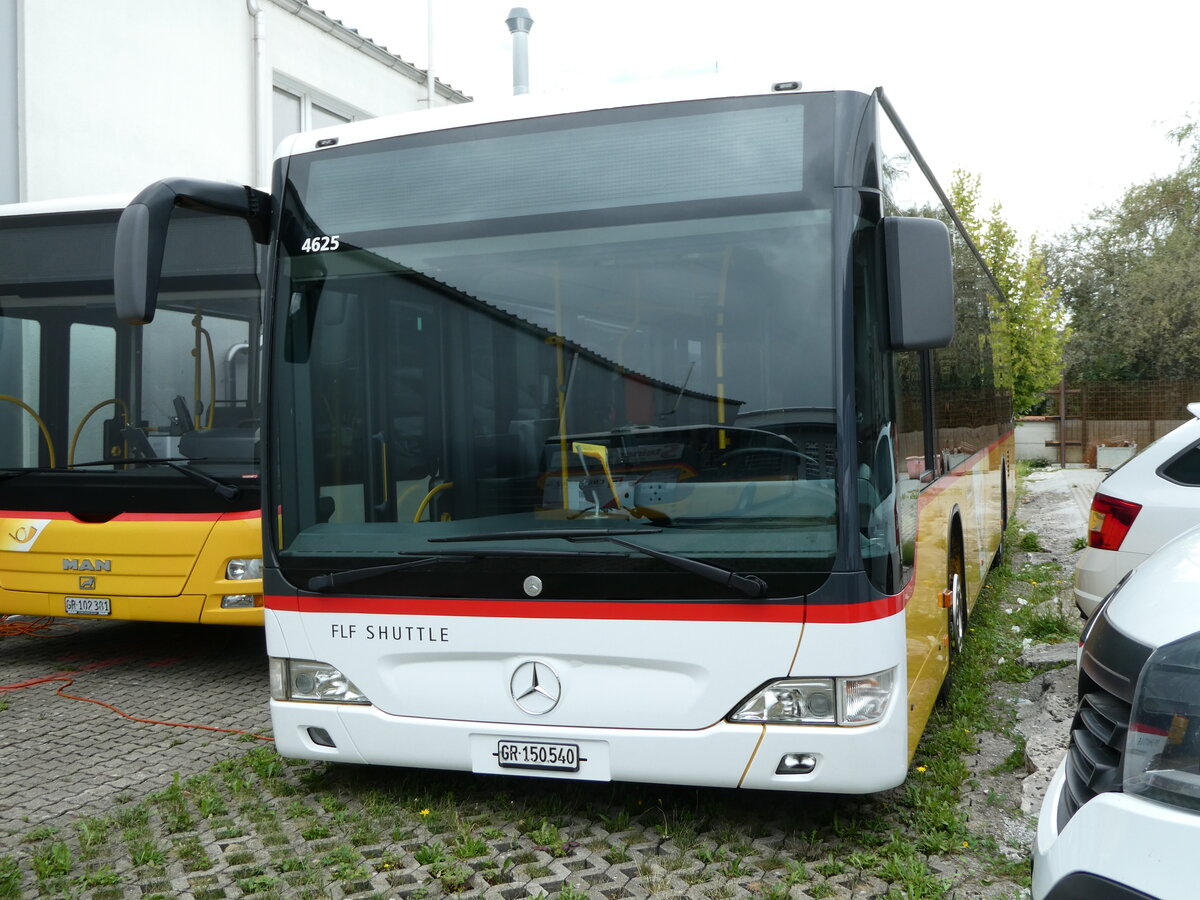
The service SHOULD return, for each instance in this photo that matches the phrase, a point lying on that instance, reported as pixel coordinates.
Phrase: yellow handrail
(437, 489)
(116, 401)
(41, 425)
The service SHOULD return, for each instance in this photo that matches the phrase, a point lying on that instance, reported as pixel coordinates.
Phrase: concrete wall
(122, 92)
(10, 184)
(1032, 437)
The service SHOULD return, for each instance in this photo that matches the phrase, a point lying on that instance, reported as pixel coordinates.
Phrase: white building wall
(120, 93)
(316, 58)
(116, 94)
(9, 157)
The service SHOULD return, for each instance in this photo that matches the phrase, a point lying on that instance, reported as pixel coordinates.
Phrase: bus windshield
(616, 321)
(87, 400)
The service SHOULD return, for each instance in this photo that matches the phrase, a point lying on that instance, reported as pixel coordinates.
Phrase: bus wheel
(956, 618)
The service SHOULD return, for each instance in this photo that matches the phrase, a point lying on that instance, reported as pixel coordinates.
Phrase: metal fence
(1092, 417)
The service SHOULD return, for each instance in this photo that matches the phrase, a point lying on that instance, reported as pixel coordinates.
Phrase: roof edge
(351, 37)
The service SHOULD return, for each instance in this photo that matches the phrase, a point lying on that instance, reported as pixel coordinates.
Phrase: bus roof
(527, 106)
(66, 205)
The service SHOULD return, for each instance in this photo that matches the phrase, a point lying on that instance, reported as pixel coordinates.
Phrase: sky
(1058, 105)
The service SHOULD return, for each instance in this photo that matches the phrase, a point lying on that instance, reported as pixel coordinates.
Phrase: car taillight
(1110, 521)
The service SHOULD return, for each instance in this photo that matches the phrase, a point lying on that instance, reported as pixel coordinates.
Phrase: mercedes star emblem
(535, 687)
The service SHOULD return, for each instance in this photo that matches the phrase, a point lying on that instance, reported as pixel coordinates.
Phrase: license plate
(538, 755)
(88, 606)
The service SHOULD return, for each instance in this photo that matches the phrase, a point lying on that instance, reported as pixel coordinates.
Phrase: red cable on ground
(69, 681)
(15, 626)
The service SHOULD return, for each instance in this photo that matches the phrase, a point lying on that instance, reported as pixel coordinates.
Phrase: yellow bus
(129, 474)
(661, 438)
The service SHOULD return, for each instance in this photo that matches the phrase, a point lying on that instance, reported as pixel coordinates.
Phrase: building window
(296, 108)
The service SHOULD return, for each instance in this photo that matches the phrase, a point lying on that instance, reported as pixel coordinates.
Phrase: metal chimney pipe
(519, 22)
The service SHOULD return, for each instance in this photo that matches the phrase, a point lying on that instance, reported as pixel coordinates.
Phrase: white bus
(636, 441)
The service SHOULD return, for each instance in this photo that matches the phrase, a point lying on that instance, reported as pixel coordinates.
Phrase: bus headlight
(860, 700)
(865, 699)
(307, 679)
(791, 701)
(243, 569)
(1163, 743)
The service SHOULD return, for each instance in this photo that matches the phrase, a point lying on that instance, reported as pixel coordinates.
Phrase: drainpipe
(519, 22)
(430, 84)
(262, 99)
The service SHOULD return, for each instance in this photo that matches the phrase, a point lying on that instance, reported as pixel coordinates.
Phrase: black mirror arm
(142, 234)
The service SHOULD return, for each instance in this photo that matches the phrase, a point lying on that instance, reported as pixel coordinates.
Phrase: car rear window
(1184, 468)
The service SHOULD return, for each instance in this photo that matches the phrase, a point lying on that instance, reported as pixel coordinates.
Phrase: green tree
(1130, 278)
(1031, 313)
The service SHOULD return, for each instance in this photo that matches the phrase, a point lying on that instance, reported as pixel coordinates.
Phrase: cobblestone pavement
(60, 756)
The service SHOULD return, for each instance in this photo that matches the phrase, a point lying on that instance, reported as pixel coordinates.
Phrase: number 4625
(321, 243)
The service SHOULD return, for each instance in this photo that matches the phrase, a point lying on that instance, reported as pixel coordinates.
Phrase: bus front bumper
(202, 608)
(845, 760)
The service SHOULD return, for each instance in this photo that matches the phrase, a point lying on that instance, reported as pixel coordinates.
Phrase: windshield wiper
(224, 488)
(750, 586)
(323, 583)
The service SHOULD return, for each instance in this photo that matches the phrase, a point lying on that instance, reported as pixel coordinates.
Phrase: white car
(1121, 818)
(1139, 507)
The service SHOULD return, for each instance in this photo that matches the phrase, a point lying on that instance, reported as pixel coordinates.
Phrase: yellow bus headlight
(243, 569)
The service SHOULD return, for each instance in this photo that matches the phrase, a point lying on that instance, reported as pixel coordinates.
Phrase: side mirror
(142, 235)
(920, 282)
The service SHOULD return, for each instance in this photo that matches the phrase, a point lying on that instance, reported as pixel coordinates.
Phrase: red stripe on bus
(833, 613)
(61, 516)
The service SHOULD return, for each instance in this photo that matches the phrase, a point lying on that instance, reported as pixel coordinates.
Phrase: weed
(98, 878)
(41, 833)
(146, 853)
(53, 862)
(257, 883)
(547, 837)
(429, 854)
(1051, 628)
(470, 846)
(266, 763)
(495, 873)
(570, 892)
(1080, 543)
(209, 801)
(797, 873)
(454, 878)
(913, 874)
(829, 867)
(190, 851)
(618, 854)
(737, 867)
(709, 855)
(1030, 542)
(92, 834)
